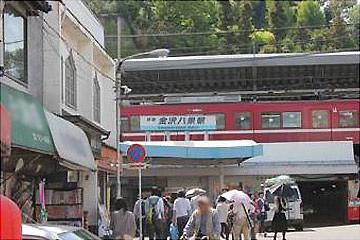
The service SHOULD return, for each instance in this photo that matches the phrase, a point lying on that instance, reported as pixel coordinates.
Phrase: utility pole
(118, 37)
(118, 88)
(254, 67)
(118, 129)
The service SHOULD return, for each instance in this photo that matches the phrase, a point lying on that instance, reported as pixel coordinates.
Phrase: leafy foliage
(229, 26)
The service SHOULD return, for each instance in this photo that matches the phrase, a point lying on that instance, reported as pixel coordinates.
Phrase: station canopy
(199, 152)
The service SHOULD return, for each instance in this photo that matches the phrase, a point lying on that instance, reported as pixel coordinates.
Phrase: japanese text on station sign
(177, 122)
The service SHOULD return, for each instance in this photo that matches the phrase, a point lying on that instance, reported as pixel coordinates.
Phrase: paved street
(349, 232)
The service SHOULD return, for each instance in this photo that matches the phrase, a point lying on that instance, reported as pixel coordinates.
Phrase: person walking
(253, 216)
(279, 222)
(204, 222)
(181, 211)
(155, 215)
(168, 214)
(223, 209)
(262, 207)
(140, 202)
(241, 222)
(122, 221)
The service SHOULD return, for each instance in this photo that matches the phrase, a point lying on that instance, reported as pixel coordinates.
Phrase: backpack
(152, 214)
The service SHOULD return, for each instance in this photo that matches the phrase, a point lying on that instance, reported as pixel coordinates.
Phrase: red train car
(330, 120)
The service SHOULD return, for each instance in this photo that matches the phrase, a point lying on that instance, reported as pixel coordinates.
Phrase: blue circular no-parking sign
(136, 153)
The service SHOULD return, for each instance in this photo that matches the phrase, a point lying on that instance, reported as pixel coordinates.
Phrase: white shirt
(182, 207)
(222, 209)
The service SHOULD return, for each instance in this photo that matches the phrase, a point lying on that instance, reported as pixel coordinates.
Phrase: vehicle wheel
(299, 227)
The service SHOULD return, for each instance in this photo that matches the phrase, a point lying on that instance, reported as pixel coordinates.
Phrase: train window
(320, 119)
(291, 119)
(135, 123)
(220, 121)
(348, 118)
(270, 120)
(243, 120)
(124, 124)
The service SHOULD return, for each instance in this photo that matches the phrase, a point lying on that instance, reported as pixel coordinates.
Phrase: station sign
(177, 122)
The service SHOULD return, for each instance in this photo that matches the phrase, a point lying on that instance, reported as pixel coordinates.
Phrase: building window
(220, 121)
(270, 120)
(320, 119)
(291, 119)
(135, 123)
(124, 124)
(70, 82)
(243, 120)
(96, 100)
(15, 44)
(348, 118)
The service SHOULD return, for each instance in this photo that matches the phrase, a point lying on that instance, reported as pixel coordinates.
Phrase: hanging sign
(177, 122)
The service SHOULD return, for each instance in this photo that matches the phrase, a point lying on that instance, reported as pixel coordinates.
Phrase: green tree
(228, 26)
(264, 41)
(258, 14)
(339, 31)
(309, 15)
(236, 20)
(186, 17)
(280, 18)
(354, 20)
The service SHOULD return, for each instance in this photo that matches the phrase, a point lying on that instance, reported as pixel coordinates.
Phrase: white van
(295, 213)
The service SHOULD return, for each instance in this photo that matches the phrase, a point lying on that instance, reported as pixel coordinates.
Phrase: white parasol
(237, 197)
(195, 191)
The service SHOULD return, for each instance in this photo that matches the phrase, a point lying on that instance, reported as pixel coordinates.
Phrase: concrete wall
(88, 180)
(89, 58)
(87, 18)
(51, 61)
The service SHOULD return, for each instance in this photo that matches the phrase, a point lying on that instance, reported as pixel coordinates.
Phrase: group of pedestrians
(195, 218)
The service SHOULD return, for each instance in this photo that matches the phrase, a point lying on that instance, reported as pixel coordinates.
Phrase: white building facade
(82, 87)
(67, 69)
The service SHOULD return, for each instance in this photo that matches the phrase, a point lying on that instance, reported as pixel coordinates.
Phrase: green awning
(29, 126)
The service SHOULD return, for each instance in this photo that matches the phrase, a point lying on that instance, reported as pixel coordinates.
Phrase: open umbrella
(194, 192)
(282, 190)
(237, 197)
(282, 179)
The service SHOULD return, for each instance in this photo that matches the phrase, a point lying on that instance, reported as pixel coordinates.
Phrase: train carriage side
(262, 122)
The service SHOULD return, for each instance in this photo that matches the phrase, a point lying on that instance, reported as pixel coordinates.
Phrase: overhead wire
(68, 45)
(227, 31)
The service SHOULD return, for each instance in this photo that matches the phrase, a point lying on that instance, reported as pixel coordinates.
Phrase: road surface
(348, 232)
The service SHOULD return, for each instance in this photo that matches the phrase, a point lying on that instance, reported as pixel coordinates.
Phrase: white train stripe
(221, 132)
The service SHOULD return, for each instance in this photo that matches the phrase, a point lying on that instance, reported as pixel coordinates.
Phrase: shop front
(106, 165)
(78, 182)
(32, 149)
(46, 149)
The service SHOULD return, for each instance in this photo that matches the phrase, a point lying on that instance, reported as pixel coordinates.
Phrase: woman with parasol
(279, 222)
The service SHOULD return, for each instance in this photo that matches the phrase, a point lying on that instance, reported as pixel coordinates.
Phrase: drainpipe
(2, 70)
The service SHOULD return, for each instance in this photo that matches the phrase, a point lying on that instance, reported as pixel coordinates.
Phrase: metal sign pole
(140, 197)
